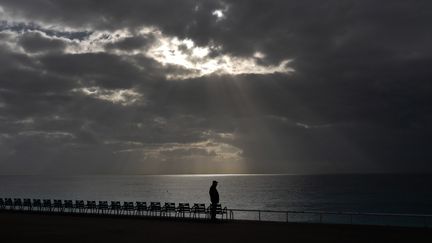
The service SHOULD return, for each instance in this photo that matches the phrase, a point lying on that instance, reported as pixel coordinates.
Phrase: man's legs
(213, 211)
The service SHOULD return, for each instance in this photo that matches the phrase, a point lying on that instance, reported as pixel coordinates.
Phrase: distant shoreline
(40, 227)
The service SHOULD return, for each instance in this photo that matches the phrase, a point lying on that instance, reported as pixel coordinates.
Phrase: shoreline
(53, 227)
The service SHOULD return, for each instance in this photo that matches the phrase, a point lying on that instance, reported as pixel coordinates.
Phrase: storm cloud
(195, 86)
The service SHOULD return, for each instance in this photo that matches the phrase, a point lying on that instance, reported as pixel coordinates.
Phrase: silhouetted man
(214, 198)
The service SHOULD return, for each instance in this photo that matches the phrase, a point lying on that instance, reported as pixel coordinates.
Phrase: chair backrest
(47, 203)
(57, 203)
(128, 206)
(115, 205)
(8, 202)
(184, 207)
(17, 202)
(37, 203)
(102, 205)
(199, 208)
(2, 203)
(169, 206)
(79, 204)
(155, 206)
(27, 202)
(91, 204)
(68, 204)
(141, 206)
(220, 210)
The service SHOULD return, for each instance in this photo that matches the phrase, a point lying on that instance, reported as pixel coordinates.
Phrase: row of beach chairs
(114, 207)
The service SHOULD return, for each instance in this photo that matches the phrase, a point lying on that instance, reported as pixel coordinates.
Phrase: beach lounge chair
(91, 206)
(219, 210)
(182, 209)
(8, 203)
(68, 206)
(155, 208)
(168, 208)
(46, 204)
(115, 207)
(141, 207)
(128, 208)
(18, 205)
(58, 205)
(79, 206)
(102, 207)
(27, 204)
(198, 209)
(37, 204)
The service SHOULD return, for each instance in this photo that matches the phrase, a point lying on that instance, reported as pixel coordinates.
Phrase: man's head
(215, 183)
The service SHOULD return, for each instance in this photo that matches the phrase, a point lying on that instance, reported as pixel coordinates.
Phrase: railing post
(287, 217)
(320, 218)
(351, 218)
(259, 215)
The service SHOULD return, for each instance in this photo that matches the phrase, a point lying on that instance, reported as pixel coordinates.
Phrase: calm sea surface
(354, 193)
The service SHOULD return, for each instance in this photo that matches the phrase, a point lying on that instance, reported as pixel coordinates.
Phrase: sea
(354, 193)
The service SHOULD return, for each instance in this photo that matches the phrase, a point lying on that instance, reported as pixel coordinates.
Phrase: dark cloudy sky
(229, 86)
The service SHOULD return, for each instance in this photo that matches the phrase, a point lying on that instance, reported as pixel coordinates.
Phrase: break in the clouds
(200, 86)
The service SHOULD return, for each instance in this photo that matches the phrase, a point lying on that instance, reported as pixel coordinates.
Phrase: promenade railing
(325, 217)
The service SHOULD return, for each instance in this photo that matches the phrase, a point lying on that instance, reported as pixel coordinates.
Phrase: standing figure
(214, 198)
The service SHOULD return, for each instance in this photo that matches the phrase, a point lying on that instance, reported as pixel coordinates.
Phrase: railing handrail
(330, 212)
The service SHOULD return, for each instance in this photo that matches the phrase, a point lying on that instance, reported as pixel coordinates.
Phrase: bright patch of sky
(193, 61)
(218, 13)
(209, 148)
(184, 53)
(123, 97)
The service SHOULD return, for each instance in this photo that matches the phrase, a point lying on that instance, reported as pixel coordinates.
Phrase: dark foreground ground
(30, 227)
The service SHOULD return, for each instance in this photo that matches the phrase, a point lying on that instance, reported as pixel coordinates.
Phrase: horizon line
(225, 174)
